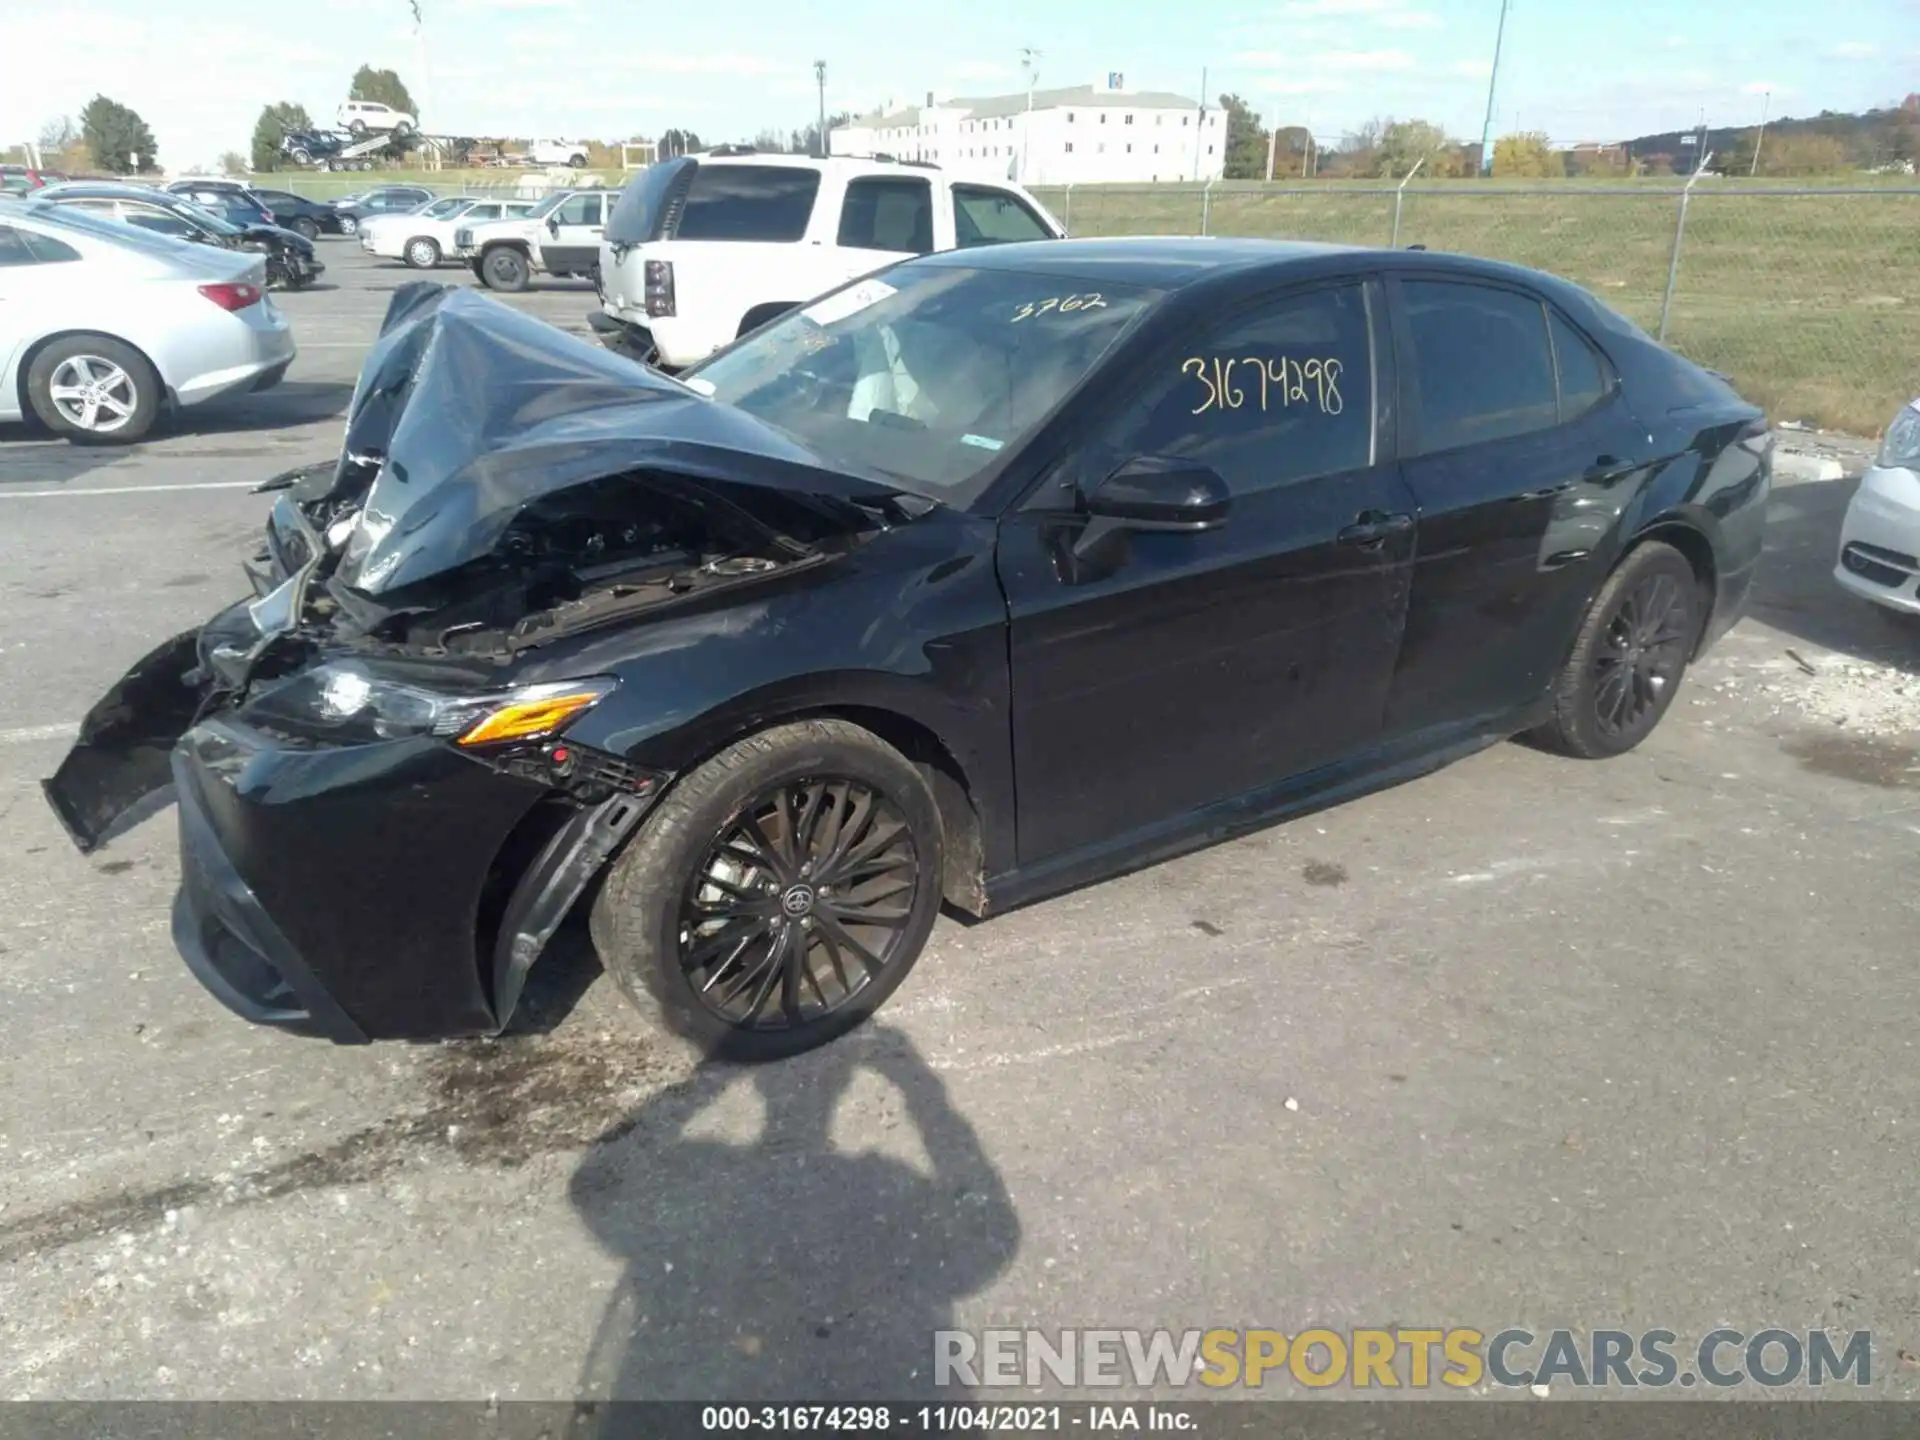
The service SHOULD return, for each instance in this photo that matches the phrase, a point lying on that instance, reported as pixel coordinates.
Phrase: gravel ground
(1526, 1042)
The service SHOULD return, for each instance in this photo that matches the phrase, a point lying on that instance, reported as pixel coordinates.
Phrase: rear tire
(792, 959)
(422, 252)
(304, 228)
(1629, 656)
(505, 268)
(94, 390)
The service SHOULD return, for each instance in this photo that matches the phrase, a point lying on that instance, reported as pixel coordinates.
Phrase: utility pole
(1493, 81)
(1273, 142)
(1202, 124)
(1029, 62)
(820, 80)
(1766, 104)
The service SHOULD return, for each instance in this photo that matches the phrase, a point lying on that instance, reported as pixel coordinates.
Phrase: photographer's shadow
(789, 1267)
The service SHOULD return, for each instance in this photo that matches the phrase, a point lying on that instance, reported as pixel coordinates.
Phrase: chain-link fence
(1809, 299)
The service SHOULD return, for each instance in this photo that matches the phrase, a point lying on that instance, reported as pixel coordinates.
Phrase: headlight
(347, 704)
(462, 239)
(1902, 445)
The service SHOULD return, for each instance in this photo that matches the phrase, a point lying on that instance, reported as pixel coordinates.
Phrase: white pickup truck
(703, 248)
(560, 236)
(571, 153)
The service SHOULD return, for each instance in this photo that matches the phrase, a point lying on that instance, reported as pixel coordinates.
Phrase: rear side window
(1483, 366)
(1583, 374)
(47, 250)
(14, 249)
(749, 202)
(882, 213)
(984, 216)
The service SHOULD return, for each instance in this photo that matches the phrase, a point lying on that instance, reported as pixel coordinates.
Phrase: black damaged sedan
(986, 576)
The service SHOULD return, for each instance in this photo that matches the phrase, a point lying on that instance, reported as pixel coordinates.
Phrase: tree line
(1388, 149)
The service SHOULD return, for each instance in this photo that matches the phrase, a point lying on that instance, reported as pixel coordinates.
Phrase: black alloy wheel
(305, 228)
(800, 902)
(1630, 655)
(778, 893)
(1641, 653)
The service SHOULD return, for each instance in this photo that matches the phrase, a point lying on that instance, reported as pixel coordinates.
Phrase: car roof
(1170, 262)
(107, 190)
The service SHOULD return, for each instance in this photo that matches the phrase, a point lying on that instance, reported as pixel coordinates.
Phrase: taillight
(659, 275)
(231, 296)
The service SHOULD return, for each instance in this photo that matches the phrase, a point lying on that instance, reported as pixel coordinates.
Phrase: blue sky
(607, 68)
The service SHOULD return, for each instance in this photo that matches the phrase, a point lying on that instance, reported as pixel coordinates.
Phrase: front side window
(985, 216)
(1483, 365)
(579, 210)
(1281, 395)
(925, 374)
(749, 202)
(884, 213)
(482, 212)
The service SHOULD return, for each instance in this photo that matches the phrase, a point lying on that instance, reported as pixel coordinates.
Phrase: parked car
(229, 199)
(290, 259)
(560, 237)
(426, 236)
(701, 249)
(363, 117)
(104, 326)
(571, 153)
(382, 200)
(1880, 536)
(311, 218)
(23, 179)
(311, 147)
(993, 573)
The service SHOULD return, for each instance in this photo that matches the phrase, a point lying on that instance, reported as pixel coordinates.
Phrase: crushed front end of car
(388, 800)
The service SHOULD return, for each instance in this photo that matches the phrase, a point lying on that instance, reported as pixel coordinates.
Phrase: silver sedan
(108, 324)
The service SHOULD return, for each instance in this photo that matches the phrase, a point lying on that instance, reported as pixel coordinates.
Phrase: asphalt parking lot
(1527, 1042)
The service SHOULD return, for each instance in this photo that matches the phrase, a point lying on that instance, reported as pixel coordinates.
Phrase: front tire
(778, 895)
(505, 269)
(422, 252)
(349, 225)
(1629, 657)
(91, 388)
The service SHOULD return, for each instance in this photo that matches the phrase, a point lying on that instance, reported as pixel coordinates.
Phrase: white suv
(704, 248)
(363, 117)
(560, 236)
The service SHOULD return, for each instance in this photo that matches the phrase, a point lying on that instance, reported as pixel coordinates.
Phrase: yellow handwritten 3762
(1286, 382)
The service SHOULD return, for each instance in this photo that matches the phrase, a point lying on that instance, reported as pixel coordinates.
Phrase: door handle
(1372, 528)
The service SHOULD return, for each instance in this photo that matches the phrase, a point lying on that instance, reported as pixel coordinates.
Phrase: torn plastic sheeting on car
(467, 410)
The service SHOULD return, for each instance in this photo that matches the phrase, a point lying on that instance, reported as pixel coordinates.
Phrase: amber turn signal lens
(526, 719)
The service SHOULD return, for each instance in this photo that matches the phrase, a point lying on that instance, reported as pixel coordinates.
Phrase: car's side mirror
(1154, 492)
(553, 225)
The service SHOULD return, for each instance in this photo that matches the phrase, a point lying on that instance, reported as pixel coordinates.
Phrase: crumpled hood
(470, 410)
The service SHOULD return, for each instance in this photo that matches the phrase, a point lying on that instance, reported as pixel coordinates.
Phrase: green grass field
(1810, 301)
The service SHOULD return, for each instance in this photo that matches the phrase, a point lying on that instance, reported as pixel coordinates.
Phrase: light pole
(1493, 81)
(1029, 62)
(820, 81)
(1766, 104)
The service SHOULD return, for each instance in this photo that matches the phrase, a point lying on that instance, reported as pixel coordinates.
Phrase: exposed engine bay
(596, 552)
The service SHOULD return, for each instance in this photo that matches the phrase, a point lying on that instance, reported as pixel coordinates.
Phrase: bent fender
(118, 771)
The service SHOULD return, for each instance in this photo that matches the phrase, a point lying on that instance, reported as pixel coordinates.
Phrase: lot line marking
(27, 733)
(126, 489)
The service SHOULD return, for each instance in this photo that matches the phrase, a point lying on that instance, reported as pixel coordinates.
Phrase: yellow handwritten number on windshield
(1065, 304)
(1285, 382)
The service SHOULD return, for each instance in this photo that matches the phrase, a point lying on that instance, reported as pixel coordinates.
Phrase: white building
(1079, 135)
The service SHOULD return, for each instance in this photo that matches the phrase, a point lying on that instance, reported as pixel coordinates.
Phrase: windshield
(551, 203)
(928, 372)
(440, 209)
